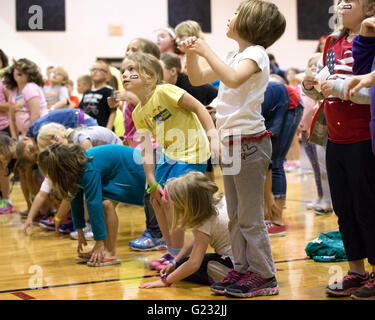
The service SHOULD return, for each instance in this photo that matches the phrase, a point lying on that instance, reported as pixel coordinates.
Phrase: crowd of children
(179, 109)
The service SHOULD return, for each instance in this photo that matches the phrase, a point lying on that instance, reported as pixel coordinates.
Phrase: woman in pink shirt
(28, 103)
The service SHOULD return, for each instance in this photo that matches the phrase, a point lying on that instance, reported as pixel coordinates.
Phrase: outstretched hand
(356, 83)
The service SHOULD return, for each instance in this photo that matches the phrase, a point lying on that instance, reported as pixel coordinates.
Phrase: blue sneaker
(147, 242)
(48, 224)
(67, 228)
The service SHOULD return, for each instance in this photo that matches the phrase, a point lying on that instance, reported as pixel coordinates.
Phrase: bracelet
(57, 219)
(173, 262)
(152, 188)
(164, 279)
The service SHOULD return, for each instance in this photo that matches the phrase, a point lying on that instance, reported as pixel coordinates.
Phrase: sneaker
(231, 278)
(311, 205)
(346, 286)
(67, 227)
(24, 214)
(367, 291)
(161, 263)
(87, 231)
(147, 242)
(48, 224)
(8, 208)
(275, 230)
(323, 208)
(251, 285)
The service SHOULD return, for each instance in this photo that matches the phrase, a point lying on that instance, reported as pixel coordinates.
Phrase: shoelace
(370, 282)
(251, 279)
(231, 274)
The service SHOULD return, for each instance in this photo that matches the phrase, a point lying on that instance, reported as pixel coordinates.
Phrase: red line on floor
(23, 296)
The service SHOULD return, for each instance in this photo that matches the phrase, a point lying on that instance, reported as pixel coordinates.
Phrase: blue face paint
(347, 6)
(134, 76)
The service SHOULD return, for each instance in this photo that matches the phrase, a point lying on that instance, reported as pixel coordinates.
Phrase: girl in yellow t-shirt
(180, 125)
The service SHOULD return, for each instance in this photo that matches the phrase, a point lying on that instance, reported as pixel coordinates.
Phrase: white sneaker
(311, 205)
(87, 231)
(322, 208)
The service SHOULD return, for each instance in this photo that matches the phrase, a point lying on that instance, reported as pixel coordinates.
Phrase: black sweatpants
(351, 176)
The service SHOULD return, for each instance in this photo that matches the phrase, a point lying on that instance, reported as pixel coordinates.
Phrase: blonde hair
(48, 132)
(64, 74)
(148, 66)
(189, 28)
(194, 198)
(260, 22)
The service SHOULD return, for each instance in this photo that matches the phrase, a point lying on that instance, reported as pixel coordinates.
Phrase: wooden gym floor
(42, 267)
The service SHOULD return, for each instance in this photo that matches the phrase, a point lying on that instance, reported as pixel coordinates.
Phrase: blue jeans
(280, 148)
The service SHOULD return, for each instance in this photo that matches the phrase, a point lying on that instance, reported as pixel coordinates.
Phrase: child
(94, 101)
(168, 112)
(363, 52)
(84, 83)
(57, 95)
(205, 94)
(7, 153)
(244, 77)
(24, 80)
(51, 133)
(143, 45)
(184, 30)
(166, 41)
(350, 162)
(74, 101)
(5, 203)
(197, 206)
(316, 154)
(76, 173)
(151, 238)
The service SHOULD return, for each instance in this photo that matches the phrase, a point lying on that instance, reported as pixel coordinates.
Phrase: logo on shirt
(162, 116)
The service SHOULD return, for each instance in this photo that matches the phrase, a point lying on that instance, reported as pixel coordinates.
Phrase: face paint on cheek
(347, 6)
(134, 76)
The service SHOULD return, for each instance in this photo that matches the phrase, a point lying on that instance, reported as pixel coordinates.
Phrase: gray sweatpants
(244, 192)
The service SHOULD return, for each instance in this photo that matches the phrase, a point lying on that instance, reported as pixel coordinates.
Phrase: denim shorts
(168, 168)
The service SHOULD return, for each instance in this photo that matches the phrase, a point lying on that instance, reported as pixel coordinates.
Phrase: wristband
(164, 279)
(57, 219)
(173, 262)
(152, 188)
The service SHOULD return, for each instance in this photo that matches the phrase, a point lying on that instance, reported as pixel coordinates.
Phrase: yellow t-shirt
(175, 129)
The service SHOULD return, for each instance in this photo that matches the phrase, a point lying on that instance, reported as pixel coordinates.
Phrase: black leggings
(201, 276)
(351, 176)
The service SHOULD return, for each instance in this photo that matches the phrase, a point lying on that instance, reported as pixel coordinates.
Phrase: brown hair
(194, 198)
(171, 60)
(148, 46)
(25, 66)
(260, 22)
(85, 79)
(63, 165)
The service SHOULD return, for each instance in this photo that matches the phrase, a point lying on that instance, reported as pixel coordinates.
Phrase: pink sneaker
(163, 261)
(7, 209)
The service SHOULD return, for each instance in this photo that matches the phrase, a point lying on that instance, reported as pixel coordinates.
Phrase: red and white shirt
(347, 122)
